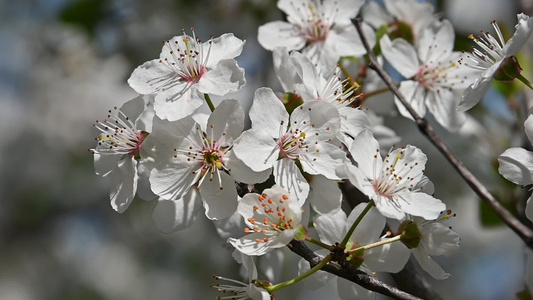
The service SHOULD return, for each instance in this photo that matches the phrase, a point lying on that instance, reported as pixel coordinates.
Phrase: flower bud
(410, 234)
(291, 101)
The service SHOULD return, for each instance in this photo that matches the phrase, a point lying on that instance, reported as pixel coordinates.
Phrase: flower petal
(226, 46)
(331, 227)
(288, 176)
(219, 196)
(173, 215)
(226, 77)
(280, 34)
(438, 239)
(429, 265)
(123, 184)
(516, 165)
(401, 55)
(257, 149)
(325, 196)
(227, 119)
(268, 113)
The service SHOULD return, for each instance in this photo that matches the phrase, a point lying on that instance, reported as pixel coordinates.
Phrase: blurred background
(64, 63)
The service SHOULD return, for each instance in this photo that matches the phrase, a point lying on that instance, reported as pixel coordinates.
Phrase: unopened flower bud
(410, 234)
(508, 70)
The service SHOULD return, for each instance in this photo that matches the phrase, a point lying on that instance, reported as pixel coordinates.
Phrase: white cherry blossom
(516, 165)
(332, 228)
(437, 239)
(323, 30)
(395, 183)
(399, 13)
(186, 70)
(437, 78)
(492, 53)
(272, 218)
(277, 142)
(120, 150)
(187, 155)
(240, 290)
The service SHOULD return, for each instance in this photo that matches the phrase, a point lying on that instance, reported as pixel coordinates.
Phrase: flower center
(292, 144)
(187, 58)
(277, 220)
(119, 135)
(313, 26)
(337, 91)
(392, 178)
(436, 76)
(491, 49)
(210, 156)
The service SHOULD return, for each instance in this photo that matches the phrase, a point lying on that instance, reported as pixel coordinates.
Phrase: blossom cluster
(282, 174)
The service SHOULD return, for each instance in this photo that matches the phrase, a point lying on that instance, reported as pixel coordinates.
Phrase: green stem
(209, 102)
(325, 261)
(357, 221)
(525, 81)
(377, 244)
(319, 243)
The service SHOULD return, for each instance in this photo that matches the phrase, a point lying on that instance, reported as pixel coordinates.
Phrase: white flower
(321, 29)
(332, 228)
(173, 215)
(187, 155)
(242, 291)
(438, 79)
(516, 165)
(275, 141)
(273, 219)
(118, 153)
(437, 239)
(396, 183)
(186, 70)
(398, 14)
(492, 55)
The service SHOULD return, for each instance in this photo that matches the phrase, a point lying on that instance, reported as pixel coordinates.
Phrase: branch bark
(349, 272)
(520, 229)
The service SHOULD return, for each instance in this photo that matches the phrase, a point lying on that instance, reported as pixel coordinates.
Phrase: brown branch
(523, 231)
(349, 272)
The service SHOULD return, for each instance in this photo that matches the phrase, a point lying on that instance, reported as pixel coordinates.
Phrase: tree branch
(349, 272)
(523, 231)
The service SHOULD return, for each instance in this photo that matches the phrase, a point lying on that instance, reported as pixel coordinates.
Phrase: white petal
(288, 176)
(248, 245)
(415, 95)
(172, 215)
(387, 258)
(134, 108)
(316, 280)
(345, 40)
(529, 208)
(353, 122)
(219, 196)
(243, 173)
(331, 228)
(478, 89)
(228, 118)
(105, 164)
(284, 69)
(223, 47)
(317, 117)
(369, 229)
(365, 151)
(528, 127)
(267, 113)
(173, 181)
(443, 107)
(151, 76)
(325, 196)
(436, 42)
(439, 239)
(429, 265)
(280, 34)
(257, 149)
(521, 35)
(226, 77)
(176, 104)
(324, 159)
(516, 165)
(375, 15)
(123, 184)
(421, 204)
(231, 226)
(401, 55)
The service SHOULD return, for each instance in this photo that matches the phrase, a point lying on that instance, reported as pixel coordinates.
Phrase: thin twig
(349, 272)
(524, 232)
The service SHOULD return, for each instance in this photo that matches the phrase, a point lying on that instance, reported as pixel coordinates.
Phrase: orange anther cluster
(285, 197)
